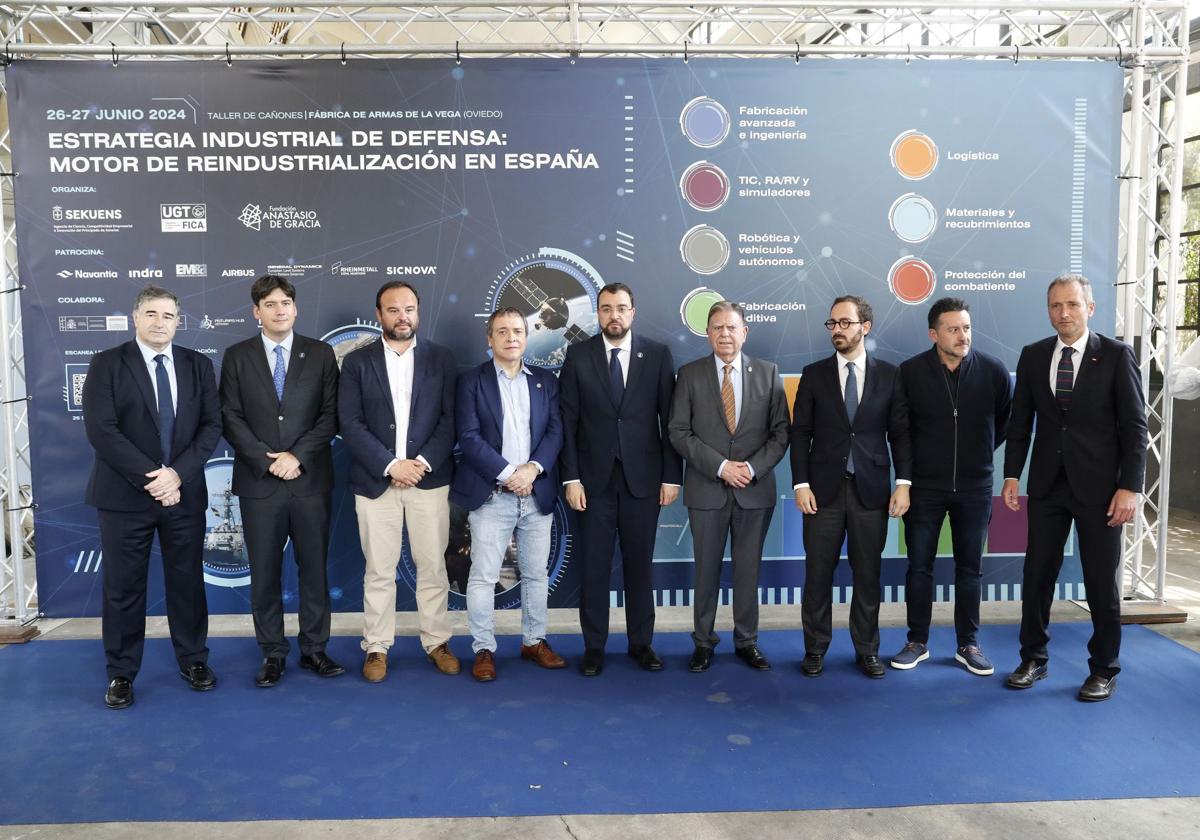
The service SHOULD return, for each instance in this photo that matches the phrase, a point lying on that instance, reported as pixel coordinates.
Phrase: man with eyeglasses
(618, 469)
(850, 409)
(729, 422)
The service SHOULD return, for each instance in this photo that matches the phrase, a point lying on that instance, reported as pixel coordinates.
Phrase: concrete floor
(1129, 819)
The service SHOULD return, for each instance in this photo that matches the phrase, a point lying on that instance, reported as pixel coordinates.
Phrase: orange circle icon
(911, 280)
(914, 155)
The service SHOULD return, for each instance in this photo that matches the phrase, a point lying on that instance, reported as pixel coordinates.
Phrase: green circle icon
(694, 309)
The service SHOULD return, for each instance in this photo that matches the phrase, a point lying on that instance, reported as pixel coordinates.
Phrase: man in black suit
(850, 408)
(152, 416)
(279, 403)
(729, 422)
(618, 469)
(1089, 461)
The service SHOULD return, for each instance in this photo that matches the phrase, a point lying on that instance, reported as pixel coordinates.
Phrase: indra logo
(225, 561)
(251, 216)
(183, 218)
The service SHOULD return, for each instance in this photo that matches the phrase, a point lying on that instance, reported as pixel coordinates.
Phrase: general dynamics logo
(83, 274)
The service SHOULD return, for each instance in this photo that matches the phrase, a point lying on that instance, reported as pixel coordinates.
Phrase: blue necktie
(280, 372)
(851, 408)
(166, 411)
(616, 381)
(1064, 382)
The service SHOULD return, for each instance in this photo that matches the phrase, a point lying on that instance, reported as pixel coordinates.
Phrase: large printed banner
(531, 183)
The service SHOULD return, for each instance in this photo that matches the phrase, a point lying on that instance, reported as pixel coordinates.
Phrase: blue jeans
(970, 513)
(492, 526)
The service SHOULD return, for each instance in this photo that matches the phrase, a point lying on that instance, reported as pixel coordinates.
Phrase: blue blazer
(480, 419)
(367, 417)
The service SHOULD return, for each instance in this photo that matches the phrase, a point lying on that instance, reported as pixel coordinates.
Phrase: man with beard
(959, 400)
(617, 469)
(849, 408)
(396, 407)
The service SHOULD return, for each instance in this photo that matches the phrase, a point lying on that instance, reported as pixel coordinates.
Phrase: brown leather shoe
(375, 668)
(445, 661)
(484, 668)
(542, 654)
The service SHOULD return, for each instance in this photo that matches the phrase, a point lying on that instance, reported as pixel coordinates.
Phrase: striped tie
(728, 400)
(1065, 380)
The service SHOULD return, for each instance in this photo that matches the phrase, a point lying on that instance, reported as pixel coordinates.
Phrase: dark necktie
(616, 381)
(851, 408)
(1064, 382)
(280, 372)
(166, 411)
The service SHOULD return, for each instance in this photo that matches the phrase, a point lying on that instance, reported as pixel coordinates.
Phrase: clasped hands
(164, 486)
(284, 465)
(521, 480)
(737, 474)
(407, 473)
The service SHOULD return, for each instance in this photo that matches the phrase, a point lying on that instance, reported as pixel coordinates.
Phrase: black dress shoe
(199, 676)
(752, 656)
(1096, 688)
(271, 672)
(871, 665)
(646, 657)
(321, 664)
(701, 658)
(813, 664)
(119, 694)
(1027, 673)
(593, 662)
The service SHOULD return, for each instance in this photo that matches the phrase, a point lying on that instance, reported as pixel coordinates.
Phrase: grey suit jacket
(698, 432)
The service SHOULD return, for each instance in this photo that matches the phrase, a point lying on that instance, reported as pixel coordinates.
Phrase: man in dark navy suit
(1088, 464)
(850, 409)
(396, 412)
(510, 433)
(279, 404)
(152, 416)
(618, 469)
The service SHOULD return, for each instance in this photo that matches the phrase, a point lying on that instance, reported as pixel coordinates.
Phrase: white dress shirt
(1080, 347)
(148, 354)
(270, 346)
(735, 375)
(400, 382)
(622, 357)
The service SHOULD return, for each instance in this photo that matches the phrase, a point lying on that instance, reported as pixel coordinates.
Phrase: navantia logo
(83, 274)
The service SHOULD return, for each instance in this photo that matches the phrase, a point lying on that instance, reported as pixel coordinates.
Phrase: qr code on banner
(73, 392)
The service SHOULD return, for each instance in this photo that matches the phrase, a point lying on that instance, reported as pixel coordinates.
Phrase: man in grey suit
(729, 421)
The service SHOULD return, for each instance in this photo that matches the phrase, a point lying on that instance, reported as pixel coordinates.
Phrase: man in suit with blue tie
(152, 416)
(618, 469)
(396, 413)
(510, 433)
(850, 409)
(729, 422)
(279, 404)
(1084, 391)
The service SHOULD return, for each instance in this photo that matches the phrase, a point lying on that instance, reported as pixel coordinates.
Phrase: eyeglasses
(844, 323)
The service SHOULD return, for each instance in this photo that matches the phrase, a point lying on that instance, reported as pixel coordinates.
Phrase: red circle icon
(911, 280)
(704, 185)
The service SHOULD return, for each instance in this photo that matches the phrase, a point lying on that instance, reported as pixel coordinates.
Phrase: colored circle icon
(694, 309)
(704, 185)
(914, 155)
(911, 280)
(705, 249)
(912, 218)
(705, 122)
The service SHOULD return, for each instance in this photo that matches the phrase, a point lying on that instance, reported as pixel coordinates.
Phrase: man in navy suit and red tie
(152, 416)
(510, 433)
(618, 469)
(1088, 465)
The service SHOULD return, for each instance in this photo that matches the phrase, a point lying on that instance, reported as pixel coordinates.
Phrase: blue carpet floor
(542, 742)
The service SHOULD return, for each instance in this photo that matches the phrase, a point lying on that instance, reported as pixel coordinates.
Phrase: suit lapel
(420, 373)
(295, 367)
(260, 366)
(1088, 360)
(870, 385)
(491, 393)
(537, 410)
(380, 367)
(712, 375)
(749, 389)
(637, 365)
(600, 359)
(835, 386)
(137, 366)
(185, 393)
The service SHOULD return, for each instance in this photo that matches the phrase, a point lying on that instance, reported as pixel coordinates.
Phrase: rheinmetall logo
(184, 218)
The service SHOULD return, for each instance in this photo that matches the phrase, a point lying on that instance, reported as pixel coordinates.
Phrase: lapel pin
(539, 384)
(301, 355)
(748, 368)
(639, 355)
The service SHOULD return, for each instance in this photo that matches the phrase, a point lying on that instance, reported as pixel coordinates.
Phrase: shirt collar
(148, 353)
(1079, 345)
(737, 363)
(624, 344)
(501, 373)
(860, 362)
(387, 348)
(286, 344)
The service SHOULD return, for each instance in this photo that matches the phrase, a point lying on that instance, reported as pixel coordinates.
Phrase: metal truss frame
(1149, 38)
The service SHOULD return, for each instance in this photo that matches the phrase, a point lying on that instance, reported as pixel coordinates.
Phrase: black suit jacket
(255, 422)
(595, 429)
(120, 415)
(1100, 441)
(822, 437)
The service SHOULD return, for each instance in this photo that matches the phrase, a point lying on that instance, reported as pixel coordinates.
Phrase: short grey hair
(1068, 279)
(726, 306)
(154, 293)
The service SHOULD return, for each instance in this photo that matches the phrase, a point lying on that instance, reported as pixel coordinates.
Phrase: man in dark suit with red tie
(618, 469)
(279, 403)
(151, 414)
(1089, 461)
